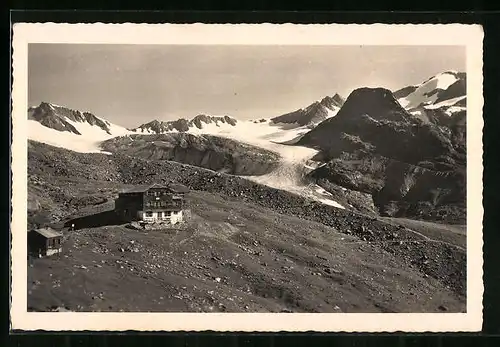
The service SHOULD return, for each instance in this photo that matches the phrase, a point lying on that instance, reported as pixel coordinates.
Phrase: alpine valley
(345, 205)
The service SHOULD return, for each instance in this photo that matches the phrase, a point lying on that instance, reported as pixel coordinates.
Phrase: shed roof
(175, 188)
(47, 232)
(137, 189)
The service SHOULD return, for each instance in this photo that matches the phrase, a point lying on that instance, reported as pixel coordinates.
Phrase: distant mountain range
(184, 125)
(438, 97)
(401, 153)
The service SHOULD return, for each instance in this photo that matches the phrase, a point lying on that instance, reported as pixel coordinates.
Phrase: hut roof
(47, 232)
(174, 188)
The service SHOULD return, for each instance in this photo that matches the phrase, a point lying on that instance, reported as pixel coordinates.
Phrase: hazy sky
(132, 84)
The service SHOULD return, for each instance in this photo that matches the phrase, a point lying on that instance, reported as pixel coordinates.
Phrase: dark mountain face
(312, 114)
(368, 114)
(56, 117)
(378, 103)
(410, 167)
(183, 125)
(211, 152)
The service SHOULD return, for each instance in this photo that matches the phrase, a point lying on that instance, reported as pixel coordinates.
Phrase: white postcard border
(248, 34)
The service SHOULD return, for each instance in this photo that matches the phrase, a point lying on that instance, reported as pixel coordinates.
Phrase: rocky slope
(62, 184)
(211, 152)
(231, 257)
(312, 114)
(409, 167)
(183, 125)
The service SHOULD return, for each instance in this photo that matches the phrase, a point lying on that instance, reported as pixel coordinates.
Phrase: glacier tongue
(287, 177)
(294, 163)
(294, 160)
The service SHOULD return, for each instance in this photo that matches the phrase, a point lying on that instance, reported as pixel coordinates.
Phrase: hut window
(149, 214)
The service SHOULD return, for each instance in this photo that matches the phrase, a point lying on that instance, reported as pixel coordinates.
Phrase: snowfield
(449, 102)
(271, 136)
(88, 142)
(63, 139)
(441, 81)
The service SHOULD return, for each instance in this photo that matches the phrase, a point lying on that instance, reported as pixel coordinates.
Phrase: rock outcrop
(211, 152)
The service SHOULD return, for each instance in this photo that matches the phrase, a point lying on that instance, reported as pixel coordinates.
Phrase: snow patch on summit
(89, 139)
(425, 92)
(449, 102)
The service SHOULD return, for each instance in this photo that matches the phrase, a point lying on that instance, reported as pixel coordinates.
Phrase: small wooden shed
(44, 242)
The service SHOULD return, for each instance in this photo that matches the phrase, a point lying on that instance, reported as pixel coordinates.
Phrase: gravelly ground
(247, 248)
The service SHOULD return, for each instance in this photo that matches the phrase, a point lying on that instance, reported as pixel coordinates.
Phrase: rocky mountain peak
(313, 114)
(65, 119)
(154, 122)
(182, 124)
(45, 105)
(377, 103)
(338, 99)
(332, 102)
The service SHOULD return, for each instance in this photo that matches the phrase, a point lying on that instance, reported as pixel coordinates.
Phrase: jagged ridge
(183, 125)
(56, 117)
(314, 113)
